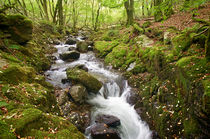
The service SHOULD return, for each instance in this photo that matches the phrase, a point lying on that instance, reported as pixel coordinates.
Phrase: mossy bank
(28, 107)
(170, 71)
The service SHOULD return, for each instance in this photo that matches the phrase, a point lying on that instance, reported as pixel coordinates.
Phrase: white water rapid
(112, 98)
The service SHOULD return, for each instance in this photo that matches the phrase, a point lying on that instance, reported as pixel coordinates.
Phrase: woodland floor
(181, 20)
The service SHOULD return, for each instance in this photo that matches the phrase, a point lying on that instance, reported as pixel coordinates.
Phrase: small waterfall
(112, 98)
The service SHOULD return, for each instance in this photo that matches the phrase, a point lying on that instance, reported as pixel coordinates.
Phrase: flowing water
(111, 99)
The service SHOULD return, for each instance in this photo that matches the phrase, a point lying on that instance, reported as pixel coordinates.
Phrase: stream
(112, 97)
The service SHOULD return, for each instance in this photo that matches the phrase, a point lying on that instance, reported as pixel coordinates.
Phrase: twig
(202, 32)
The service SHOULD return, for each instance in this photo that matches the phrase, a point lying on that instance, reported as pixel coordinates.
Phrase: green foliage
(163, 11)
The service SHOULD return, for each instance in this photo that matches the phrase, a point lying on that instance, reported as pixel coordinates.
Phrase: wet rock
(62, 98)
(72, 48)
(78, 93)
(133, 98)
(82, 47)
(100, 131)
(83, 67)
(56, 42)
(64, 81)
(80, 76)
(80, 119)
(70, 56)
(109, 120)
(90, 48)
(71, 41)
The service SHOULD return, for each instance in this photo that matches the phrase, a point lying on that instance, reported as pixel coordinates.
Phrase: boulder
(70, 56)
(83, 67)
(62, 98)
(100, 131)
(78, 93)
(82, 46)
(19, 27)
(109, 120)
(71, 41)
(72, 48)
(80, 76)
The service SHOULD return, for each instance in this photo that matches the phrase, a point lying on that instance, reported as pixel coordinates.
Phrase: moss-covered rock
(104, 47)
(33, 122)
(117, 57)
(15, 74)
(82, 46)
(19, 27)
(80, 76)
(181, 43)
(110, 35)
(138, 29)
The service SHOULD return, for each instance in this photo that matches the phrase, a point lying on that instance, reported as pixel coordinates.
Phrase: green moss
(206, 96)
(146, 24)
(9, 57)
(138, 29)
(117, 57)
(5, 132)
(32, 122)
(104, 47)
(110, 35)
(26, 117)
(15, 74)
(190, 127)
(181, 43)
(20, 28)
(139, 68)
(194, 66)
(90, 82)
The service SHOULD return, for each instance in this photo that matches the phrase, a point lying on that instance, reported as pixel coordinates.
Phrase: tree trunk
(60, 12)
(143, 8)
(97, 16)
(129, 6)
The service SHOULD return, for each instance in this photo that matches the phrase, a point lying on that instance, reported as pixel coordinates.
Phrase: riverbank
(169, 69)
(28, 107)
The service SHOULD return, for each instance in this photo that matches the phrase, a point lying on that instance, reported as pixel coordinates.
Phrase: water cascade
(112, 98)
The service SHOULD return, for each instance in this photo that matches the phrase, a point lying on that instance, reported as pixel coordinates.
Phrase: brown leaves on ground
(181, 20)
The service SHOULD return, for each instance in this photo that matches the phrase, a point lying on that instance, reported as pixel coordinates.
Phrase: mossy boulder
(18, 26)
(117, 57)
(33, 122)
(181, 43)
(110, 35)
(15, 74)
(103, 47)
(31, 94)
(82, 46)
(138, 29)
(70, 56)
(78, 93)
(80, 76)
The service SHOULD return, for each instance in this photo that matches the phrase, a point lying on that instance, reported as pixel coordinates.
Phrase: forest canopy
(96, 14)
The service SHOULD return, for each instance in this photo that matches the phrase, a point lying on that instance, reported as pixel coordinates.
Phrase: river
(111, 99)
